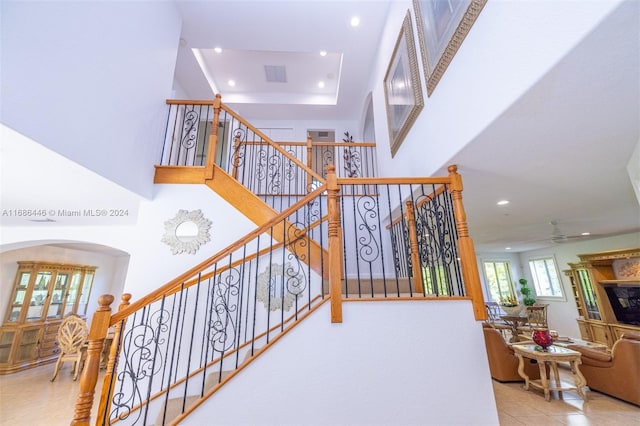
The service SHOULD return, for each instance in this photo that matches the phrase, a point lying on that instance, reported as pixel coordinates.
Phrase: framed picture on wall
(402, 89)
(442, 26)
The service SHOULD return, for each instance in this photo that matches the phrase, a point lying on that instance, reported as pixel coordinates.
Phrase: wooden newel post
(89, 378)
(335, 245)
(416, 266)
(309, 162)
(213, 139)
(105, 395)
(468, 261)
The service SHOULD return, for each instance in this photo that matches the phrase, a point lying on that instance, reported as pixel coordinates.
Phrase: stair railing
(202, 133)
(182, 340)
(176, 345)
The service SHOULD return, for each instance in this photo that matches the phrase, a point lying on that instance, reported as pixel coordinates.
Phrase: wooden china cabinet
(43, 294)
(607, 290)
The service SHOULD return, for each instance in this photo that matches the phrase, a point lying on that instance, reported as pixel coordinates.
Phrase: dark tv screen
(625, 302)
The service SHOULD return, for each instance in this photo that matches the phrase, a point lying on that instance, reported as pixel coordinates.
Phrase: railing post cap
(105, 300)
(452, 168)
(125, 298)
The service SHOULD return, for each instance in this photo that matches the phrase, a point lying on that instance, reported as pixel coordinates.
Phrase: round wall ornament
(186, 232)
(277, 287)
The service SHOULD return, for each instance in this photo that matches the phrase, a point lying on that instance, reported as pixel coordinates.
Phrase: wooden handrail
(189, 102)
(394, 181)
(272, 143)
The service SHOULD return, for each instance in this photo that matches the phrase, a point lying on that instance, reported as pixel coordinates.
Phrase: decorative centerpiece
(511, 306)
(542, 338)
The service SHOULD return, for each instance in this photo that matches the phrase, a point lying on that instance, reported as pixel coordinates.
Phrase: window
(546, 280)
(499, 283)
(436, 281)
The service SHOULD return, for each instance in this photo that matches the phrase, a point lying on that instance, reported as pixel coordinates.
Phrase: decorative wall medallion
(186, 232)
(277, 287)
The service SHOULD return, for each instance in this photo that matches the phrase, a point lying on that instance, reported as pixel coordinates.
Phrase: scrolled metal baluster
(369, 247)
(327, 160)
(224, 303)
(190, 129)
(141, 346)
(274, 184)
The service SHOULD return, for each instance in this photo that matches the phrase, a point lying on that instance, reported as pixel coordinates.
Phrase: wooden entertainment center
(606, 287)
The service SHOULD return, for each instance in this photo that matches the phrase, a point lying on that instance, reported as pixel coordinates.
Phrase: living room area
(548, 358)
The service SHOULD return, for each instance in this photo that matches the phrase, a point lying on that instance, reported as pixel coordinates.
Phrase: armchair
(616, 373)
(503, 363)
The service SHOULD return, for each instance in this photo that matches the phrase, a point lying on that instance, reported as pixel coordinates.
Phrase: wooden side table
(550, 357)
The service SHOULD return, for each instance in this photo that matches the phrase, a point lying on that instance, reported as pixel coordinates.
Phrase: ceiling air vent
(275, 73)
(322, 134)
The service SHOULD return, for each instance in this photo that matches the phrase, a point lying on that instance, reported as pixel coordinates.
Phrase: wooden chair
(494, 320)
(71, 338)
(536, 318)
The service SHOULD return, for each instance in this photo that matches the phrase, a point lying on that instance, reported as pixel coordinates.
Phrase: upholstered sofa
(616, 373)
(503, 363)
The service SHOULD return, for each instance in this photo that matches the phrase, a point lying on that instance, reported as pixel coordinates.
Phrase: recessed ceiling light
(586, 233)
(507, 248)
(217, 49)
(503, 202)
(355, 21)
(323, 53)
(231, 83)
(321, 84)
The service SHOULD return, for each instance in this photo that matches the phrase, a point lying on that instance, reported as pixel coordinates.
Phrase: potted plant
(525, 290)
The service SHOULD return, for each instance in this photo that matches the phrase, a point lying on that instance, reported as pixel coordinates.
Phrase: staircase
(319, 239)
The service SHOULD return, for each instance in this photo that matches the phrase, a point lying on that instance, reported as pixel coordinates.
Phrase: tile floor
(519, 407)
(28, 398)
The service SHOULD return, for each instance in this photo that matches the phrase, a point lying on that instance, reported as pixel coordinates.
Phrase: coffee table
(550, 357)
(565, 342)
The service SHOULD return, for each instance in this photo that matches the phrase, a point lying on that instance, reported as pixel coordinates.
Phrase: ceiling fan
(559, 237)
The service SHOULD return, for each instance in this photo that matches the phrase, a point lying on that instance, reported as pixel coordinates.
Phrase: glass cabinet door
(19, 296)
(39, 296)
(72, 294)
(57, 295)
(590, 301)
(84, 296)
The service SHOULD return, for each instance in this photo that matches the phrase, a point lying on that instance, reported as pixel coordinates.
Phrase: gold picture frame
(402, 87)
(442, 26)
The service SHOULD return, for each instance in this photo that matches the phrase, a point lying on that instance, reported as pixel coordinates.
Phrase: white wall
(104, 67)
(107, 280)
(152, 264)
(488, 73)
(376, 368)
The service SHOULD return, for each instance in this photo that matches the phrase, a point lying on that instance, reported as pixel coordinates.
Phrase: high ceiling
(559, 154)
(243, 30)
